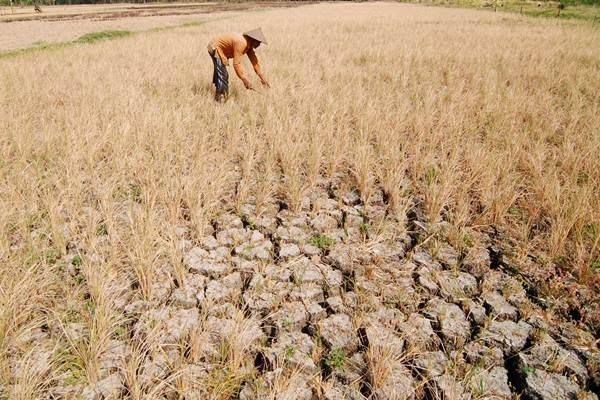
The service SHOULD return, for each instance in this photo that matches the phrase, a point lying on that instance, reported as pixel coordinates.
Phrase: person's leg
(226, 82)
(214, 77)
(222, 80)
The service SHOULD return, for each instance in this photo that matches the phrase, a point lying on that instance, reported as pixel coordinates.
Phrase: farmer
(224, 47)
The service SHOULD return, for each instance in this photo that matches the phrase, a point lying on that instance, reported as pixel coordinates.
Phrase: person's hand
(266, 84)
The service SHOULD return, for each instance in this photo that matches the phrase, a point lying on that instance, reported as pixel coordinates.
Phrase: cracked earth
(338, 300)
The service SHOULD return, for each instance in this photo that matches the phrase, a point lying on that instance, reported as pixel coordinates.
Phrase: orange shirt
(235, 46)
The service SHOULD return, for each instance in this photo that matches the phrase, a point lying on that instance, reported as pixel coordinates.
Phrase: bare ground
(304, 305)
(22, 27)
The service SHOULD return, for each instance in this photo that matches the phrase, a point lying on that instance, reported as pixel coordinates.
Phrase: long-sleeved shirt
(235, 46)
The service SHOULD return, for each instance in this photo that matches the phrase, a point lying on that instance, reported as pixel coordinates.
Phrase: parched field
(410, 212)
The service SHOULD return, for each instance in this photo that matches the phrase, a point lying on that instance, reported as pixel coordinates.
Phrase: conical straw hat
(256, 34)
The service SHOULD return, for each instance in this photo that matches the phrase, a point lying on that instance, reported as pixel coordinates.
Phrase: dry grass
(105, 148)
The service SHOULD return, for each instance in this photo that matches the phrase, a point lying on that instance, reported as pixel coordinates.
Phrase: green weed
(364, 229)
(102, 35)
(431, 175)
(323, 242)
(77, 261)
(468, 240)
(289, 352)
(286, 323)
(528, 370)
(336, 359)
(101, 230)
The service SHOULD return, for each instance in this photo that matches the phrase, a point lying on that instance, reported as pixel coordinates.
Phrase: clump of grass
(77, 261)
(38, 46)
(528, 370)
(365, 228)
(337, 359)
(102, 35)
(289, 352)
(192, 24)
(323, 242)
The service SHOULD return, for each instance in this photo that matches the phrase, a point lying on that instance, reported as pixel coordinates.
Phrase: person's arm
(239, 68)
(222, 56)
(256, 66)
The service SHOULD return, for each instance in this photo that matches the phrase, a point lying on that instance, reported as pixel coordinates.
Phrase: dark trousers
(220, 77)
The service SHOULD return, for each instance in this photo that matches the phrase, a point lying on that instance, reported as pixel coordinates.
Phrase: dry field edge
(539, 9)
(412, 211)
(89, 38)
(60, 25)
(150, 10)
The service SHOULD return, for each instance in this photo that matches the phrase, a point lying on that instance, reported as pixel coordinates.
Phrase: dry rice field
(412, 211)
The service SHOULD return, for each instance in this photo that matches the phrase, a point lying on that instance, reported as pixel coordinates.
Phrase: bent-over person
(234, 46)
